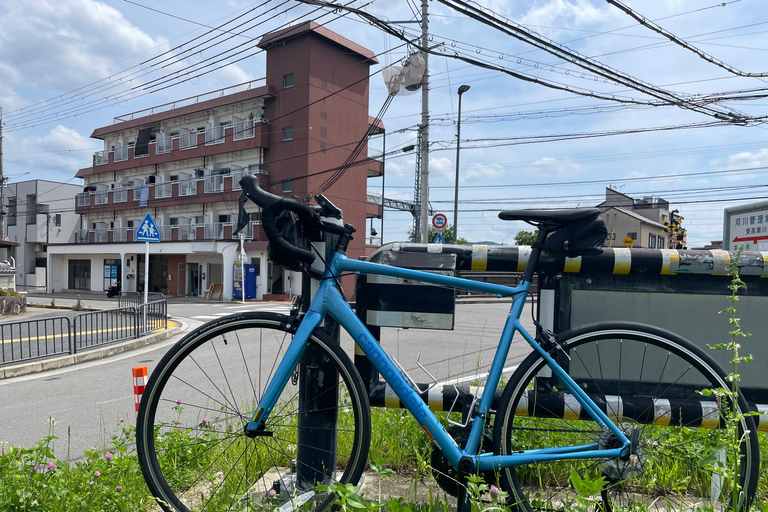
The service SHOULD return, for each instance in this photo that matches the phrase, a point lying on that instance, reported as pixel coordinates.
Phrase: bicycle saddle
(552, 219)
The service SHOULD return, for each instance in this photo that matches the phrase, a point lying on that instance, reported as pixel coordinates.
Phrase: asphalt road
(87, 401)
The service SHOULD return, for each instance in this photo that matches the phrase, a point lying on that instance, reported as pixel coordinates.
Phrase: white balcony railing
(243, 129)
(186, 232)
(237, 175)
(120, 235)
(102, 196)
(214, 135)
(83, 236)
(163, 190)
(121, 153)
(102, 235)
(187, 187)
(214, 183)
(188, 140)
(119, 195)
(214, 230)
(163, 145)
(84, 199)
(101, 158)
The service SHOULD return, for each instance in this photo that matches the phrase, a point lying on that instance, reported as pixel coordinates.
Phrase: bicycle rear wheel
(191, 443)
(647, 381)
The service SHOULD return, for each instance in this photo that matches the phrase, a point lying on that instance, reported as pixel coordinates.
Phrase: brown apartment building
(181, 162)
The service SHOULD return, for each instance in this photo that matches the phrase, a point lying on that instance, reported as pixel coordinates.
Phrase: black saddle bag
(583, 238)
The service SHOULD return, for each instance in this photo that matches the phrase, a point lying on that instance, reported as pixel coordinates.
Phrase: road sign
(628, 241)
(148, 231)
(439, 221)
(438, 239)
(6, 238)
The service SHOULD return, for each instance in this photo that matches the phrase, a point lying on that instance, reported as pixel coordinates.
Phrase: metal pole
(462, 90)
(424, 207)
(2, 180)
(242, 267)
(146, 284)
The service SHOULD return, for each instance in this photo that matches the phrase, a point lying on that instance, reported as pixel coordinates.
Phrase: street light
(462, 90)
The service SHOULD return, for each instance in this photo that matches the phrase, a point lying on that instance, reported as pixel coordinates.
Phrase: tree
(526, 237)
(448, 236)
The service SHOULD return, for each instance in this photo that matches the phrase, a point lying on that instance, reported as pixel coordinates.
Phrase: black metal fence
(136, 299)
(33, 339)
(54, 336)
(102, 327)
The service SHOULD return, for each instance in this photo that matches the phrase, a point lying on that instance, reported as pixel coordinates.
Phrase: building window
(288, 133)
(173, 221)
(323, 114)
(287, 81)
(633, 236)
(651, 241)
(129, 224)
(324, 84)
(323, 147)
(661, 242)
(324, 132)
(57, 220)
(287, 186)
(11, 211)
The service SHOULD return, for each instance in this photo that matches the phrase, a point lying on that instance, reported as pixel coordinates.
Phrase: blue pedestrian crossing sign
(438, 239)
(148, 231)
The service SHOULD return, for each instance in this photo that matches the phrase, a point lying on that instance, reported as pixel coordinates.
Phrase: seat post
(533, 261)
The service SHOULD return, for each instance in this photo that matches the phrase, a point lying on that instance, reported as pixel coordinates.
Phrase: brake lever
(243, 217)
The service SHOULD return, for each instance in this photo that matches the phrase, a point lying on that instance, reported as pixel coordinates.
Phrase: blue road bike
(252, 411)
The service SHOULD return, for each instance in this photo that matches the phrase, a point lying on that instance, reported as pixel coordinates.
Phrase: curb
(90, 355)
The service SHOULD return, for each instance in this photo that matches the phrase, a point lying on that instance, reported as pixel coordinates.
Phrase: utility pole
(424, 149)
(2, 180)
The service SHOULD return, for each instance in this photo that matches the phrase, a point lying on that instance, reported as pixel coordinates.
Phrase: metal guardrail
(35, 339)
(101, 327)
(135, 299)
(48, 337)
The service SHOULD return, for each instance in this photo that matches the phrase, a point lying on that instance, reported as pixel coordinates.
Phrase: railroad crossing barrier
(679, 290)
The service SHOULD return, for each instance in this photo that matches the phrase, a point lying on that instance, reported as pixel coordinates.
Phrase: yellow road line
(64, 336)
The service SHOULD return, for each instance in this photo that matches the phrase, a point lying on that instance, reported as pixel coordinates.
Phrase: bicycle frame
(329, 301)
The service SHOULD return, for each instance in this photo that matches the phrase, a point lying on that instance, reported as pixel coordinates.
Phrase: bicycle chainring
(445, 474)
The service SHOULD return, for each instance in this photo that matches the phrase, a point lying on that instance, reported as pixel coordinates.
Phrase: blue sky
(50, 52)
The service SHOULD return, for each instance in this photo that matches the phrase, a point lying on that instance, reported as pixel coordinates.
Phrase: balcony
(187, 187)
(163, 190)
(121, 153)
(241, 135)
(214, 183)
(243, 129)
(174, 232)
(214, 135)
(188, 140)
(163, 145)
(101, 158)
(84, 199)
(120, 195)
(102, 197)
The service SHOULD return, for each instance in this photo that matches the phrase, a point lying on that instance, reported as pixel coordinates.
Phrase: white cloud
(744, 160)
(55, 156)
(481, 173)
(565, 13)
(549, 166)
(48, 44)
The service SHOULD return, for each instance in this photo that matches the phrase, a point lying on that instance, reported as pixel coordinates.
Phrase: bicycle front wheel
(649, 382)
(191, 443)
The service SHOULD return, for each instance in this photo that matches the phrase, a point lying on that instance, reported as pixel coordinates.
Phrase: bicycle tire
(191, 444)
(670, 466)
